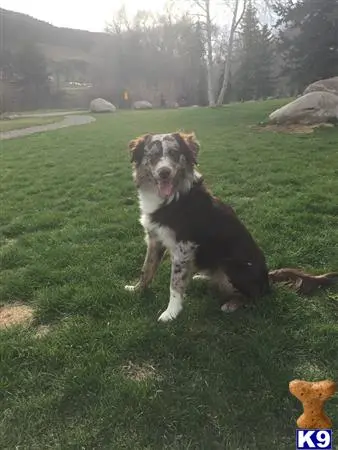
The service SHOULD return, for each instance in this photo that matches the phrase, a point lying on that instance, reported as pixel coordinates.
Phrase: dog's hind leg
(220, 281)
(234, 300)
(154, 255)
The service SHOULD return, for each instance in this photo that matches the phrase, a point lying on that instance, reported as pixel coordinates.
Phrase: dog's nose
(164, 173)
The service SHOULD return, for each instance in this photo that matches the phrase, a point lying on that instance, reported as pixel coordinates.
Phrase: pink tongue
(166, 188)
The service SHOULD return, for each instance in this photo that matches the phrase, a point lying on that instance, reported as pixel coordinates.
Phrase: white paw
(230, 307)
(131, 288)
(200, 277)
(169, 315)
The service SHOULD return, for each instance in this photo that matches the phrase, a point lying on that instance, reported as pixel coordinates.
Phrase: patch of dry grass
(140, 372)
(15, 315)
(293, 128)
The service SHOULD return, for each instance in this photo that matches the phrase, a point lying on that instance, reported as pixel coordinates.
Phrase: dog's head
(164, 161)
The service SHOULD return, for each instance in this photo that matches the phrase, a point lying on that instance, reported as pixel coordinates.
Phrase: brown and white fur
(200, 232)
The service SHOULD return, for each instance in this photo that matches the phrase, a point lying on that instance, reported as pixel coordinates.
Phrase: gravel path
(69, 121)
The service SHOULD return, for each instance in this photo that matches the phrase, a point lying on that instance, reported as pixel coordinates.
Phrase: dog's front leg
(154, 255)
(182, 263)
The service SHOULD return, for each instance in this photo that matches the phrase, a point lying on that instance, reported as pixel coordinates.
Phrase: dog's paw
(131, 288)
(200, 277)
(169, 315)
(231, 306)
(166, 316)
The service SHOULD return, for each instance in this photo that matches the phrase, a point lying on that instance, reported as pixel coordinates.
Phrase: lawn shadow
(242, 394)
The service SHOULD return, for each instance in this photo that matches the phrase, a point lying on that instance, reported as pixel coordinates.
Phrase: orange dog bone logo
(313, 396)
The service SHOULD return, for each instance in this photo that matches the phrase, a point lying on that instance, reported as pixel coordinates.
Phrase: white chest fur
(150, 202)
(163, 234)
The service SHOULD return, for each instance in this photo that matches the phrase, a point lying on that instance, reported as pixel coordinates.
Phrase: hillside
(57, 44)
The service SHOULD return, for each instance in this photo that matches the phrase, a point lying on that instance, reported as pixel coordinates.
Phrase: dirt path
(69, 121)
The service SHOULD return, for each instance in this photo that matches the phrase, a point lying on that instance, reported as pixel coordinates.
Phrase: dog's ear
(136, 148)
(189, 144)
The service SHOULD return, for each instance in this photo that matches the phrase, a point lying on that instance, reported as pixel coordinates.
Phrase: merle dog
(201, 233)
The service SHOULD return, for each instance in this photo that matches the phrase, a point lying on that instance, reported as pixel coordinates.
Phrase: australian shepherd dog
(204, 236)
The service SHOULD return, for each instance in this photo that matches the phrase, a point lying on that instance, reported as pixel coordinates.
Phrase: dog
(203, 235)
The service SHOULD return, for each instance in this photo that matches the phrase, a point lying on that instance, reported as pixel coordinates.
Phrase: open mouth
(165, 188)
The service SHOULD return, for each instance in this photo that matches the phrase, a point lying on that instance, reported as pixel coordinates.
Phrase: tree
(7, 74)
(254, 77)
(7, 69)
(32, 74)
(265, 78)
(203, 8)
(119, 22)
(227, 66)
(153, 56)
(238, 9)
(309, 39)
(249, 66)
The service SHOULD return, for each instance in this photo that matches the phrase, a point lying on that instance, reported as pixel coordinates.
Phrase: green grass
(26, 122)
(71, 240)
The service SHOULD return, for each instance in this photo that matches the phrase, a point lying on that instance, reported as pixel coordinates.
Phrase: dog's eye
(174, 154)
(154, 157)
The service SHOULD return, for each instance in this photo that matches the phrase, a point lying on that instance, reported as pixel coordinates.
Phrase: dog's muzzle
(165, 182)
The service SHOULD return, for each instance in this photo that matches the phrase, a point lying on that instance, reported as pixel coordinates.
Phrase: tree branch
(242, 15)
(200, 5)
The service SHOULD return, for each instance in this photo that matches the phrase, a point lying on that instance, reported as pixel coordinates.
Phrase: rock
(142, 104)
(329, 85)
(7, 116)
(173, 105)
(99, 105)
(312, 108)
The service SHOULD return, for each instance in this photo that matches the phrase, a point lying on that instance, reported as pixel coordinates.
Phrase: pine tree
(265, 82)
(245, 78)
(310, 40)
(254, 77)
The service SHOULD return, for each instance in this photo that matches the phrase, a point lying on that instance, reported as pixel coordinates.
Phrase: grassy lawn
(107, 375)
(17, 124)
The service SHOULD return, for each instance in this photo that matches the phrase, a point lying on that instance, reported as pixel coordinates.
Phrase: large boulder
(329, 85)
(142, 104)
(99, 105)
(312, 108)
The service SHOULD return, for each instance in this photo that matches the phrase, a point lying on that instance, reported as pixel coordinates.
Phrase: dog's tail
(302, 282)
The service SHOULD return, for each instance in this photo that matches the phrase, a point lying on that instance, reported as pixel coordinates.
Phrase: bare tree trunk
(227, 65)
(203, 11)
(211, 95)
